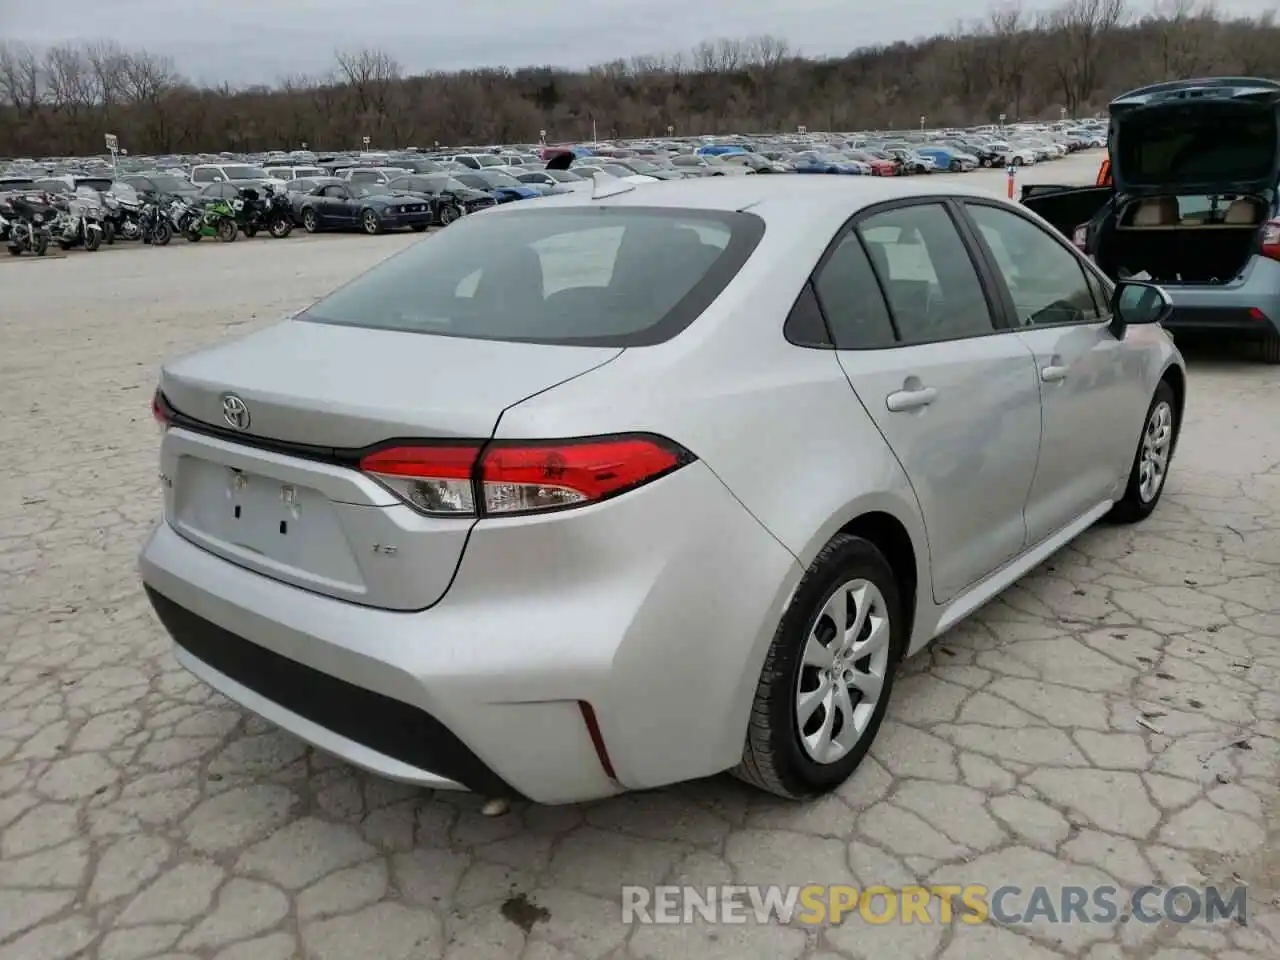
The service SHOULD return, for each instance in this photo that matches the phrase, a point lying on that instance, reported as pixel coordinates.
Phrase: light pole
(922, 123)
(1002, 121)
(1064, 113)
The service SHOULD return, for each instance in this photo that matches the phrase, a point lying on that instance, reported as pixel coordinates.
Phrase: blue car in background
(945, 158)
(501, 186)
(720, 150)
(811, 161)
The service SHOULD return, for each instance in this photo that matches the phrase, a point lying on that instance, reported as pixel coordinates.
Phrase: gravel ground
(1112, 719)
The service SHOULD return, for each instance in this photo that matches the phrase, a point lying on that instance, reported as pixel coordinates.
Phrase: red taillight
(1271, 239)
(503, 478)
(158, 409)
(433, 479)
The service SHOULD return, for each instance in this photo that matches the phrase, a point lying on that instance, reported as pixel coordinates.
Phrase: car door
(919, 332)
(337, 205)
(1089, 381)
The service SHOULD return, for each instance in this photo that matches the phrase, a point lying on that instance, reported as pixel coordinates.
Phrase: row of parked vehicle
(226, 198)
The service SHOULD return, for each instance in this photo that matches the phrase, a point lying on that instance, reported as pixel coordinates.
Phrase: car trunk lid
(1200, 136)
(260, 465)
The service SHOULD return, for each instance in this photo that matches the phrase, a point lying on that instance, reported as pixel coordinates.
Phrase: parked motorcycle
(122, 218)
(172, 216)
(78, 222)
(217, 219)
(27, 227)
(271, 212)
(154, 224)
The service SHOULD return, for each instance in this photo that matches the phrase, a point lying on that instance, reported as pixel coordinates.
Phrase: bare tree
(20, 77)
(1080, 29)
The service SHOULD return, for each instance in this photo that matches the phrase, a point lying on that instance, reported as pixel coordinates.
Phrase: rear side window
(852, 301)
(931, 283)
(604, 276)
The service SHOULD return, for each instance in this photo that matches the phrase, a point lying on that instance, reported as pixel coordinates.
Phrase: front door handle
(1053, 374)
(904, 400)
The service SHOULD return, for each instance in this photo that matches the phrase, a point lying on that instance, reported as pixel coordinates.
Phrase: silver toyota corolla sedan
(610, 490)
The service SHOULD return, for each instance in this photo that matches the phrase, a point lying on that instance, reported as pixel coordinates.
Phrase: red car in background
(880, 166)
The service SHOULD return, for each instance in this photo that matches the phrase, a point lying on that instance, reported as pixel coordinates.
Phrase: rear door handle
(904, 400)
(1052, 374)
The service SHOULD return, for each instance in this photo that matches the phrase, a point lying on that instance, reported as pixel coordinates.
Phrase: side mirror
(1135, 303)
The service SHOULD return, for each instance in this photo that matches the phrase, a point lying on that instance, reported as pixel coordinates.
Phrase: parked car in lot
(452, 196)
(333, 204)
(1189, 200)
(590, 494)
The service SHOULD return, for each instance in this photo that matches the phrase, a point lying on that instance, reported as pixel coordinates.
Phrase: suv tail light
(1271, 239)
(507, 478)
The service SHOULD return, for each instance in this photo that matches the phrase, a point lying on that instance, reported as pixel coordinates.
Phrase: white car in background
(203, 174)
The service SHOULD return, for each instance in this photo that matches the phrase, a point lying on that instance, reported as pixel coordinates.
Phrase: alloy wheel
(1154, 461)
(843, 670)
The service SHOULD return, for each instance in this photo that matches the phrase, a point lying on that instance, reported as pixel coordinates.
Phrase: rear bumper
(1247, 307)
(655, 609)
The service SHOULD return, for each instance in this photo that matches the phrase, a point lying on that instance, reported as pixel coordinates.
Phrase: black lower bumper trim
(380, 723)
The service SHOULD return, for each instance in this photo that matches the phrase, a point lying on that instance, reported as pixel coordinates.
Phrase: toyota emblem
(235, 412)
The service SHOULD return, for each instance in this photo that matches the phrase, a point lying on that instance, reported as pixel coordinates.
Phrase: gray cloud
(259, 41)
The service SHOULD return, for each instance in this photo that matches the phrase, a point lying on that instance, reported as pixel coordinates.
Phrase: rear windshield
(1219, 144)
(605, 276)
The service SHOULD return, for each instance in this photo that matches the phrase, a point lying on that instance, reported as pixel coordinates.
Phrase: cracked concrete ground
(1112, 719)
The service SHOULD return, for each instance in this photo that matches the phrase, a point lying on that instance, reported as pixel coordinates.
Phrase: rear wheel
(161, 233)
(827, 677)
(281, 227)
(14, 250)
(955, 166)
(448, 214)
(1151, 461)
(1271, 349)
(250, 231)
(108, 233)
(226, 231)
(40, 245)
(1016, 162)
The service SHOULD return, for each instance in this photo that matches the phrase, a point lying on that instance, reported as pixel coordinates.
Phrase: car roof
(814, 194)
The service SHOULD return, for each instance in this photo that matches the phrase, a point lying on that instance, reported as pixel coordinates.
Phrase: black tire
(14, 251)
(40, 245)
(1015, 162)
(64, 244)
(1270, 349)
(281, 227)
(955, 166)
(226, 230)
(161, 233)
(108, 233)
(194, 234)
(417, 227)
(310, 222)
(250, 231)
(448, 214)
(92, 240)
(773, 757)
(370, 223)
(1134, 505)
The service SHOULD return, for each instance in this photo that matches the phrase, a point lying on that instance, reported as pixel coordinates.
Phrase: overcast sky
(259, 41)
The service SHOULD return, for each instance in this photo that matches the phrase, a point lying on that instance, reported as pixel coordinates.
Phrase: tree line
(60, 101)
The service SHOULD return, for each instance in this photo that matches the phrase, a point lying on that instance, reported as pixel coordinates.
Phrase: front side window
(929, 278)
(1045, 279)
(623, 276)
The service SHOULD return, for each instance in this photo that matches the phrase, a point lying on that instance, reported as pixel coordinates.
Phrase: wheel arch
(891, 538)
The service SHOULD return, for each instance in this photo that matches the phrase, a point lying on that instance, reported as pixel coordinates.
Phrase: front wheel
(226, 231)
(250, 231)
(194, 233)
(310, 222)
(448, 214)
(40, 245)
(15, 250)
(371, 223)
(92, 240)
(1016, 162)
(955, 166)
(281, 227)
(161, 234)
(827, 677)
(108, 233)
(1151, 461)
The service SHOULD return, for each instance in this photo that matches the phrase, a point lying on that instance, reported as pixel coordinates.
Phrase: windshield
(620, 276)
(500, 179)
(474, 181)
(487, 160)
(368, 189)
(172, 185)
(244, 173)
